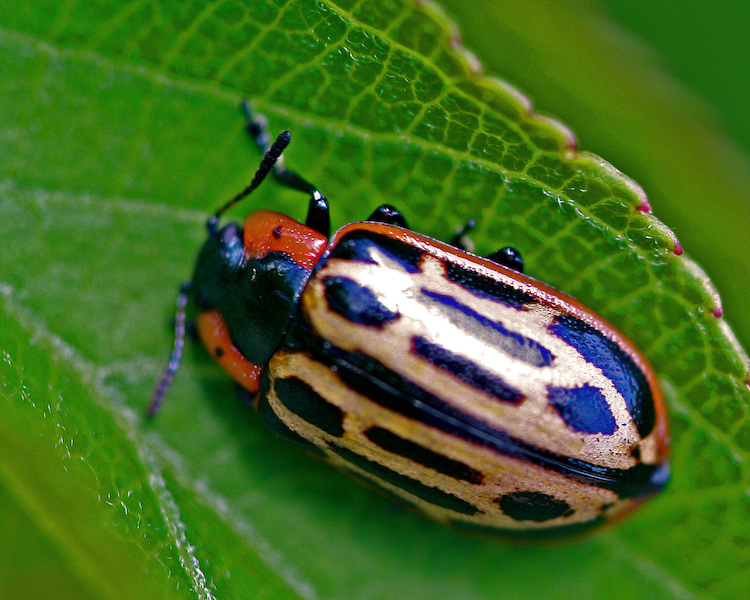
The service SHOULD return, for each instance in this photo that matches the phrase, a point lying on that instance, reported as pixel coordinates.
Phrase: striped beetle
(481, 396)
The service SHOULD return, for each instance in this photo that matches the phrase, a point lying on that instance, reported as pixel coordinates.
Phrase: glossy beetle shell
(477, 394)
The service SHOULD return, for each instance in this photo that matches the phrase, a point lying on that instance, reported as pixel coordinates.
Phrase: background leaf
(121, 132)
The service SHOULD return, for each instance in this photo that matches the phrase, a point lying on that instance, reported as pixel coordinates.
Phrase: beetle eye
(230, 233)
(228, 247)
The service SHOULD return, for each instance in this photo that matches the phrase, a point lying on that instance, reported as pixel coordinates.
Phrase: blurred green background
(706, 46)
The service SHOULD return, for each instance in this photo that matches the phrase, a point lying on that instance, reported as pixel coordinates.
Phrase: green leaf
(579, 66)
(121, 133)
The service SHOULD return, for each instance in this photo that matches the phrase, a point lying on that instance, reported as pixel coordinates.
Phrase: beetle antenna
(174, 359)
(266, 166)
(317, 212)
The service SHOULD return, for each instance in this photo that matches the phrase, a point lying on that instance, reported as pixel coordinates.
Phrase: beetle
(456, 383)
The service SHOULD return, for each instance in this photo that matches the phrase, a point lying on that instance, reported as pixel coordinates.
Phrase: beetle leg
(317, 213)
(461, 240)
(385, 213)
(508, 257)
(318, 216)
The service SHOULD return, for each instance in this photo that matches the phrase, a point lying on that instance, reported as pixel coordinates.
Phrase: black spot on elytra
(494, 332)
(465, 370)
(615, 363)
(219, 352)
(424, 456)
(417, 488)
(368, 247)
(533, 506)
(356, 302)
(485, 287)
(305, 402)
(272, 421)
(584, 408)
(276, 232)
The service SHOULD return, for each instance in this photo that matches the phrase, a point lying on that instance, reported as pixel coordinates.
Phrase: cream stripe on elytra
(401, 292)
(585, 502)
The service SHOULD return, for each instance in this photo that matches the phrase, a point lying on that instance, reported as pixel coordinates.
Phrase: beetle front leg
(318, 217)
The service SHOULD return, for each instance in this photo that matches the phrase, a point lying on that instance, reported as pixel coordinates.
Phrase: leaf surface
(125, 133)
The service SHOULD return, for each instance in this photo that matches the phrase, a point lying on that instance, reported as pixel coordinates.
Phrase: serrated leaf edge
(639, 199)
